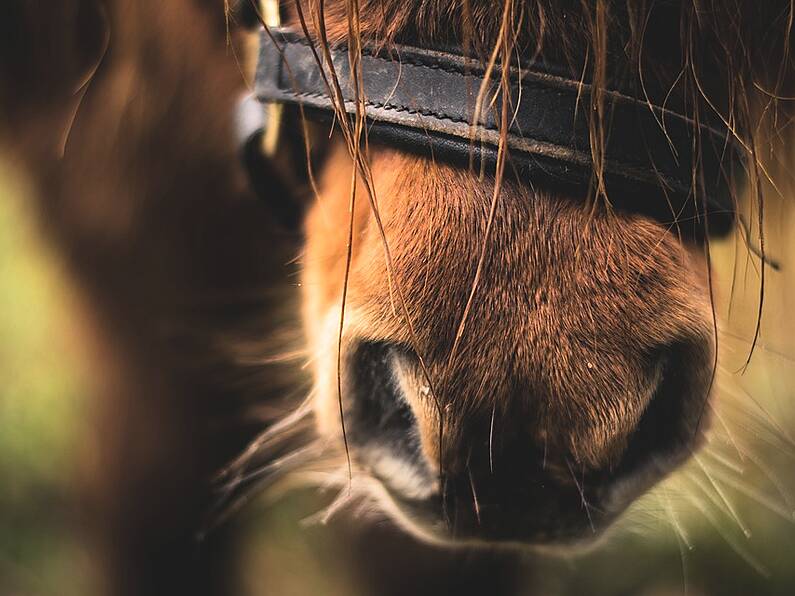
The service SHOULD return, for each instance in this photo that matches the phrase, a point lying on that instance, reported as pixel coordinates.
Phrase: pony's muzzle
(512, 485)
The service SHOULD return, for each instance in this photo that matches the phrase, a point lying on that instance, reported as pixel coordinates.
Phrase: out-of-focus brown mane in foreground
(519, 324)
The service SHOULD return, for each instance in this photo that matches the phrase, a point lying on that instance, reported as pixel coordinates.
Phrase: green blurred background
(723, 525)
(43, 397)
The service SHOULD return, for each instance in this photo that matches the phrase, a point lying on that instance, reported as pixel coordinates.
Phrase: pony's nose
(517, 475)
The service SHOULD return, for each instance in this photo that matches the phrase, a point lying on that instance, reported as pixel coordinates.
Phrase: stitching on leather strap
(432, 93)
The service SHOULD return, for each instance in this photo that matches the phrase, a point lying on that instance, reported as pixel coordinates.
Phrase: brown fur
(569, 311)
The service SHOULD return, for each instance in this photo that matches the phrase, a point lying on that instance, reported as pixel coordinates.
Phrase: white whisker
(673, 520)
(755, 495)
(729, 507)
(758, 429)
(729, 434)
(292, 459)
(474, 496)
(343, 498)
(738, 548)
(273, 433)
(681, 537)
(585, 504)
(713, 453)
(491, 439)
(743, 393)
(774, 480)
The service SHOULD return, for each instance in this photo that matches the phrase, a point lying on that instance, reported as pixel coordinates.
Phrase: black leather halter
(423, 101)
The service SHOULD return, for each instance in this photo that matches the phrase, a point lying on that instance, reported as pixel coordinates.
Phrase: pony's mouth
(529, 498)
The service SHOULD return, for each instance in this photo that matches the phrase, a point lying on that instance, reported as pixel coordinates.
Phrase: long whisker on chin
(718, 498)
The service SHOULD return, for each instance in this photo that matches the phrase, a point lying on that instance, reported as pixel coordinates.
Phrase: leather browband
(423, 101)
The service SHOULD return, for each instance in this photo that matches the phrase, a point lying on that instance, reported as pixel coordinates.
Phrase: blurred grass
(41, 407)
(697, 534)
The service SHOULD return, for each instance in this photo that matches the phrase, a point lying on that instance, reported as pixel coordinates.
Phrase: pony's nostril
(669, 427)
(381, 421)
